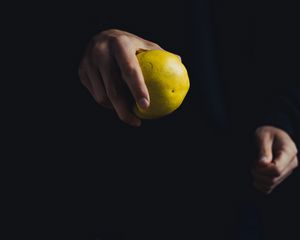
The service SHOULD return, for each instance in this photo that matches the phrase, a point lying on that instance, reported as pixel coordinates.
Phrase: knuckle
(117, 41)
(264, 131)
(99, 48)
(106, 32)
(259, 131)
(111, 31)
(104, 36)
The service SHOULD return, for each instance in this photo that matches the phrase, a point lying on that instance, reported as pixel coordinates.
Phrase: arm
(284, 113)
(278, 141)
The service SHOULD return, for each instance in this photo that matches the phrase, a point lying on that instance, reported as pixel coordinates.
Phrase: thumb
(265, 143)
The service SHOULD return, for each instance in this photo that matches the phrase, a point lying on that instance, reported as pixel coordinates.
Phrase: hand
(277, 158)
(110, 70)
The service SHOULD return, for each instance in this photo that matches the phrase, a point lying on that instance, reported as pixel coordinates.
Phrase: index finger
(277, 166)
(125, 55)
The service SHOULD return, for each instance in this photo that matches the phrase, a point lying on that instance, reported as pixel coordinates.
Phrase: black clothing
(241, 61)
(183, 175)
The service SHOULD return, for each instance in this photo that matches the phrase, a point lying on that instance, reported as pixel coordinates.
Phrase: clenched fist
(277, 158)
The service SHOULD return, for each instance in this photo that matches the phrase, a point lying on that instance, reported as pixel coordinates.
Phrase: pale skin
(110, 71)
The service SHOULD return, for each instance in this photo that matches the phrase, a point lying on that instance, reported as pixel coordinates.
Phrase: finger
(262, 179)
(268, 170)
(272, 181)
(282, 161)
(282, 178)
(287, 171)
(115, 91)
(131, 72)
(100, 95)
(268, 182)
(84, 78)
(265, 142)
(277, 182)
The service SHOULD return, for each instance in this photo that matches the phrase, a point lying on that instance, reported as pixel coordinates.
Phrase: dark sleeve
(284, 113)
(278, 53)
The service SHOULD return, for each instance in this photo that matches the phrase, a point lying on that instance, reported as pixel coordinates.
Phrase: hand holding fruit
(110, 69)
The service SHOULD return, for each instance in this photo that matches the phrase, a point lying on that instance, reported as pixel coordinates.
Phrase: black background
(73, 166)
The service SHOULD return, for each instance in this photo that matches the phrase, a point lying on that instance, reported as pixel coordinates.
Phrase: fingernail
(143, 103)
